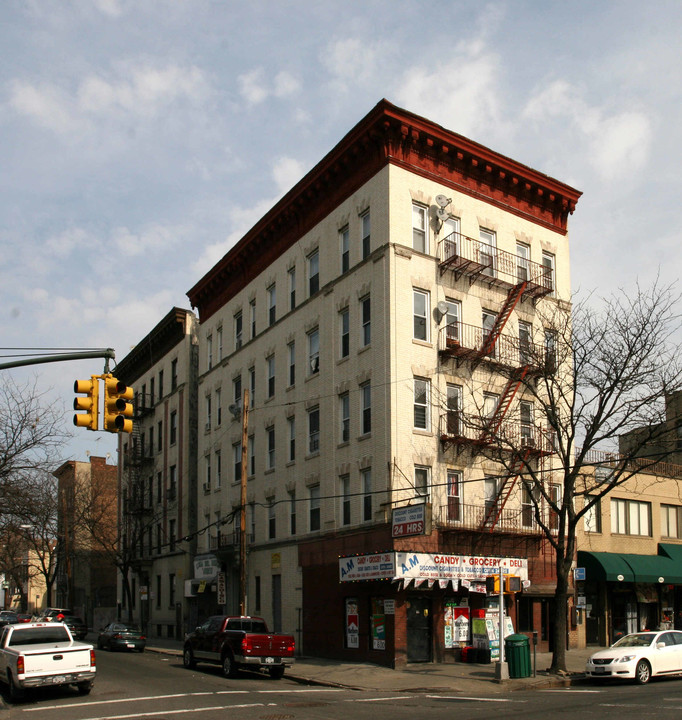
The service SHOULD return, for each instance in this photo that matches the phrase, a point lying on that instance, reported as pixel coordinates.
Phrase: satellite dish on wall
(442, 214)
(443, 201)
(235, 409)
(442, 307)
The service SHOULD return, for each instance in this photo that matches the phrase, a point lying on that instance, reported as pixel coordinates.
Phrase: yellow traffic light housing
(118, 412)
(89, 403)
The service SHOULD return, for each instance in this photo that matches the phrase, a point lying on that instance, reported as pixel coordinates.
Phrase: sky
(140, 139)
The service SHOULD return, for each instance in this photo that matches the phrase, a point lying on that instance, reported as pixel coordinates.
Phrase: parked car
(639, 657)
(121, 636)
(7, 617)
(24, 617)
(50, 614)
(78, 628)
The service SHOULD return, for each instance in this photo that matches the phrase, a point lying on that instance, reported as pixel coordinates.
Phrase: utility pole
(242, 511)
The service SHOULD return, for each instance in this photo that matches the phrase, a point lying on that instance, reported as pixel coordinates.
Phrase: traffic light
(89, 403)
(492, 584)
(513, 584)
(118, 412)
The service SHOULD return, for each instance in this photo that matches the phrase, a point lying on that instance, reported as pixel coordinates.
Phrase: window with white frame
(314, 351)
(251, 455)
(366, 417)
(522, 262)
(487, 251)
(218, 462)
(527, 428)
(344, 487)
(252, 313)
(630, 517)
(592, 517)
(314, 430)
(489, 342)
(344, 327)
(454, 495)
(422, 392)
(313, 272)
(366, 480)
(525, 343)
(344, 243)
(314, 499)
(548, 272)
(252, 386)
(454, 410)
(344, 417)
(208, 415)
(291, 352)
(365, 223)
(422, 481)
(671, 521)
(237, 389)
(270, 362)
(272, 304)
(219, 334)
(209, 358)
(218, 406)
(366, 318)
(238, 330)
(420, 230)
(270, 438)
(451, 238)
(453, 319)
(291, 273)
(173, 429)
(291, 428)
(420, 312)
(237, 462)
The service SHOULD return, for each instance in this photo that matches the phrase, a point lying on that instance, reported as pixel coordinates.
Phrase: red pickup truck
(234, 642)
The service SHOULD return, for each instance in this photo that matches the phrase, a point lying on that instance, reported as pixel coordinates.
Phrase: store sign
(420, 566)
(409, 520)
(206, 567)
(222, 589)
(380, 566)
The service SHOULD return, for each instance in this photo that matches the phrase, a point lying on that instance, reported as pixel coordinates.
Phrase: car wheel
(188, 658)
(642, 672)
(84, 688)
(15, 692)
(140, 649)
(228, 666)
(276, 673)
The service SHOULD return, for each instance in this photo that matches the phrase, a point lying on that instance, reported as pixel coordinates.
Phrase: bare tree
(598, 374)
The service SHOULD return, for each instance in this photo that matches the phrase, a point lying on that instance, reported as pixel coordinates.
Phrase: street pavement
(417, 677)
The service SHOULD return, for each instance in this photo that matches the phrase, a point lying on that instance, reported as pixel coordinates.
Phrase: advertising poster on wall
(378, 624)
(456, 625)
(352, 623)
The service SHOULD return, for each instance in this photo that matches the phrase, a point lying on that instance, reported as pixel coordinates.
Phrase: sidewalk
(467, 678)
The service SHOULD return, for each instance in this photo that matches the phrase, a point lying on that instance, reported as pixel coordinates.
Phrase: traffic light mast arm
(107, 354)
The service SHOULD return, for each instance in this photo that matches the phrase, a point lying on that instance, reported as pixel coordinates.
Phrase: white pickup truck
(44, 654)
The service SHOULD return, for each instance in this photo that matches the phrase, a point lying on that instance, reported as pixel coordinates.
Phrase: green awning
(626, 567)
(602, 566)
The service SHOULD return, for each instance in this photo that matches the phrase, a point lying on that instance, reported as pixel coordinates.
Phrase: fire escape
(520, 278)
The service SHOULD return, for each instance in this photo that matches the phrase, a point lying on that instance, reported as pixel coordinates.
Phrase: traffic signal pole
(107, 354)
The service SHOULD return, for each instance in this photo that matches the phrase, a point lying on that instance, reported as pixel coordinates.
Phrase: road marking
(475, 699)
(569, 690)
(381, 699)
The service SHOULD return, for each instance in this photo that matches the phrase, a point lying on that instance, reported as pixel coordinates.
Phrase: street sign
(579, 573)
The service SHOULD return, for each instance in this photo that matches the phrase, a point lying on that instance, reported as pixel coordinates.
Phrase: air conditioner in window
(207, 487)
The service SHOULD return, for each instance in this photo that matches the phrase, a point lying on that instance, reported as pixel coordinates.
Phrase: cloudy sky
(139, 139)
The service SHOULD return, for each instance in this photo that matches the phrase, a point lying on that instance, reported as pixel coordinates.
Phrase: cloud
(618, 142)
(352, 61)
(287, 172)
(255, 87)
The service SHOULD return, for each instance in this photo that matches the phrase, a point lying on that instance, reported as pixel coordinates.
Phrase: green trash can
(517, 655)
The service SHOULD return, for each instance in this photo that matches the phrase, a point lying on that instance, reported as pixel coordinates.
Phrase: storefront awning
(625, 567)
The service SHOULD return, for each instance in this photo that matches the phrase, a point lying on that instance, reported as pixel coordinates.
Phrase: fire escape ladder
(494, 512)
(513, 298)
(503, 405)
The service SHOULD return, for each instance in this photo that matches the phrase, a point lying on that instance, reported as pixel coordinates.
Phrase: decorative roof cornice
(386, 135)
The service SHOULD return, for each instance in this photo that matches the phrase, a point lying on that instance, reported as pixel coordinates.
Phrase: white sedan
(639, 657)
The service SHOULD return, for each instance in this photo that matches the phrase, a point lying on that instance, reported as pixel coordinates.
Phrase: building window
(314, 430)
(420, 238)
(314, 351)
(272, 521)
(257, 599)
(252, 313)
(158, 580)
(420, 310)
(209, 418)
(366, 418)
(238, 330)
(171, 535)
(550, 351)
(366, 479)
(454, 495)
(454, 410)
(251, 450)
(344, 482)
(528, 502)
(171, 590)
(344, 412)
(291, 424)
(152, 397)
(209, 359)
(292, 512)
(218, 407)
(453, 318)
(237, 461)
(219, 338)
(593, 515)
(292, 287)
(630, 517)
(671, 521)
(313, 272)
(365, 221)
(344, 242)
(173, 432)
(522, 262)
(159, 436)
(527, 427)
(160, 385)
(548, 272)
(422, 481)
(525, 343)
(344, 324)
(173, 482)
(487, 251)
(272, 305)
(271, 375)
(422, 392)
(292, 363)
(174, 375)
(270, 434)
(366, 313)
(218, 461)
(314, 508)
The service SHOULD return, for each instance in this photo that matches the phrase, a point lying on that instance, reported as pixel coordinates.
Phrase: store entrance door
(419, 629)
